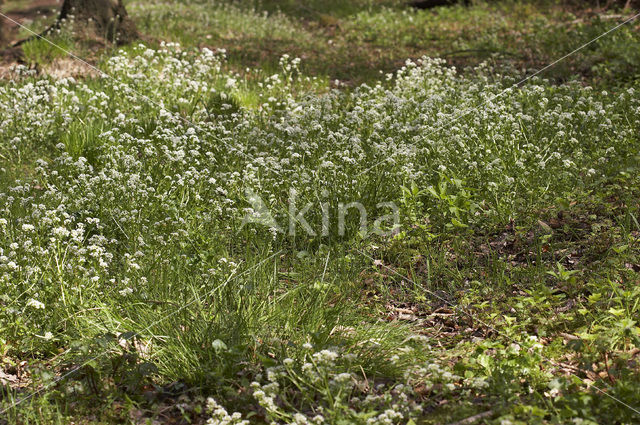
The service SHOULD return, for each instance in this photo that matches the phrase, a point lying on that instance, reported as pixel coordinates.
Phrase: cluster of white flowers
(331, 394)
(220, 416)
(431, 375)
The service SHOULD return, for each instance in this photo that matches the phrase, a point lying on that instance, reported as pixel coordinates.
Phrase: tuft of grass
(81, 139)
(40, 52)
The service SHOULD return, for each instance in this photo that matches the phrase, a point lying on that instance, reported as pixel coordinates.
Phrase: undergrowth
(183, 239)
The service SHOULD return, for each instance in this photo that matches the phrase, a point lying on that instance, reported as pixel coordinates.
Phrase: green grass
(356, 41)
(134, 288)
(40, 52)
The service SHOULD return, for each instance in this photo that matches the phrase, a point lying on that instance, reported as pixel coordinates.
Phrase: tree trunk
(105, 18)
(428, 4)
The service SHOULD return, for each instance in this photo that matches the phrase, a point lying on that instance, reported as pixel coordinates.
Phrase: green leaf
(484, 361)
(616, 311)
(620, 249)
(594, 298)
(147, 369)
(219, 345)
(457, 223)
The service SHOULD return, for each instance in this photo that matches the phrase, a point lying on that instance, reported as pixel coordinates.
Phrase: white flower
(342, 378)
(300, 419)
(61, 232)
(231, 83)
(35, 304)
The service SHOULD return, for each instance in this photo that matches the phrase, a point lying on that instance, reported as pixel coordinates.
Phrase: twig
(569, 336)
(569, 366)
(472, 419)
(606, 365)
(457, 52)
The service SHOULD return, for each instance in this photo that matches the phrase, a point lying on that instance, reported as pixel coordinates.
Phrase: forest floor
(341, 212)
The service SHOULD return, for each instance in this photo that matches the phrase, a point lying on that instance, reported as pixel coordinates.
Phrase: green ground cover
(183, 238)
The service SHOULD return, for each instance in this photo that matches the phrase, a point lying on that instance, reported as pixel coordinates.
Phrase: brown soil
(37, 9)
(45, 12)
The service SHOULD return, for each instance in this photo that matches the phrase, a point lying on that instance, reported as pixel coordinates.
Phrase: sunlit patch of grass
(43, 52)
(210, 23)
(352, 41)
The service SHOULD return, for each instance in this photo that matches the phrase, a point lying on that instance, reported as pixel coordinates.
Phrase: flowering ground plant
(125, 248)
